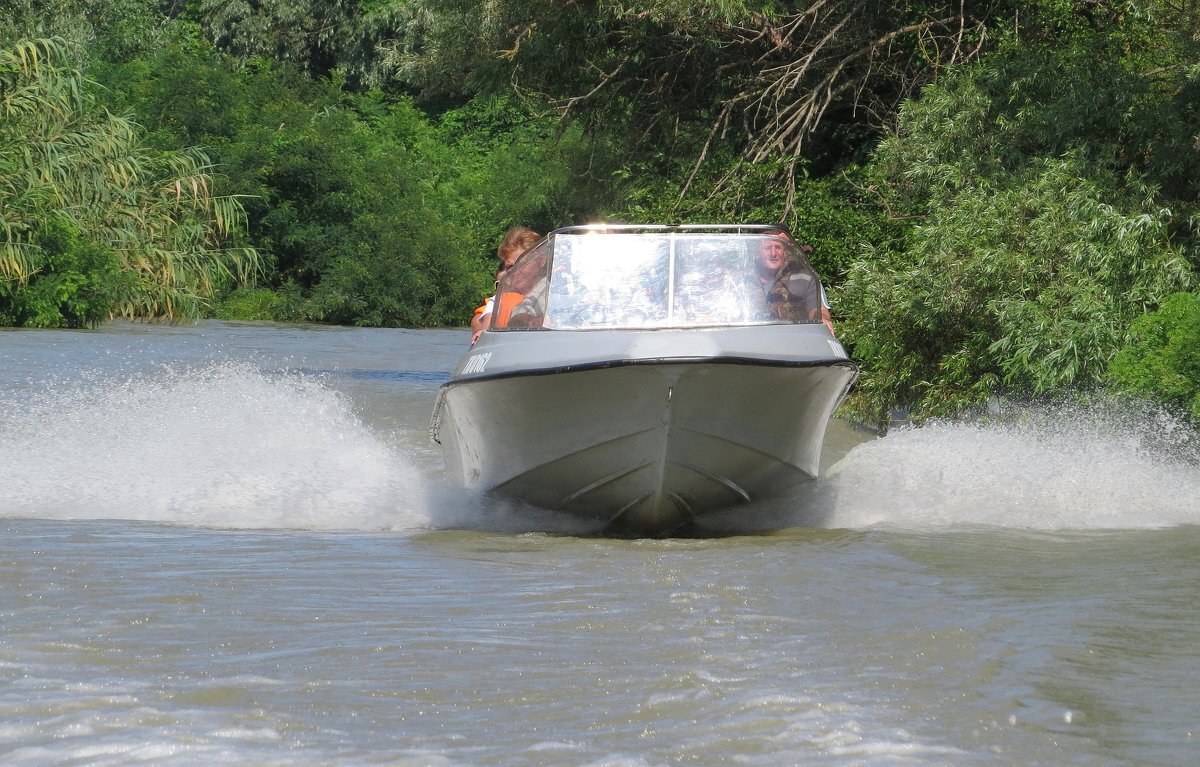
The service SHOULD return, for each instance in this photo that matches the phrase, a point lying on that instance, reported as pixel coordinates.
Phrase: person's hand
(475, 336)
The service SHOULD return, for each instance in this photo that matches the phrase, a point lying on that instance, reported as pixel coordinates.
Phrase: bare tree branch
(790, 99)
(570, 103)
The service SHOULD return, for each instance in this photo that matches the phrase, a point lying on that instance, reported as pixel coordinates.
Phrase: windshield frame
(606, 277)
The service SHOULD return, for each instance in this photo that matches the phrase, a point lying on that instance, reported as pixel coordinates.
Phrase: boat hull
(642, 446)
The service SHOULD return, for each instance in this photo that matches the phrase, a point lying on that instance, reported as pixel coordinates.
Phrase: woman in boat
(516, 241)
(522, 303)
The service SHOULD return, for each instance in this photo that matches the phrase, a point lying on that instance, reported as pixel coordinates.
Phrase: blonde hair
(518, 238)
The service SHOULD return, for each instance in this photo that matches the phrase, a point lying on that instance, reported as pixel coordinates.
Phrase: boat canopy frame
(609, 276)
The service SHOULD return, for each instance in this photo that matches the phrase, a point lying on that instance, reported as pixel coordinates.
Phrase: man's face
(772, 254)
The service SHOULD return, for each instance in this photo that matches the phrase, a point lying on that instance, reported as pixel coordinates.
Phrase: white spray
(1104, 466)
(225, 445)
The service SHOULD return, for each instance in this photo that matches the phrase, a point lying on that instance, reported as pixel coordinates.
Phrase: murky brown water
(231, 544)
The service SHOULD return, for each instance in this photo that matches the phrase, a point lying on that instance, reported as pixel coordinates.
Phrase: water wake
(1105, 466)
(226, 445)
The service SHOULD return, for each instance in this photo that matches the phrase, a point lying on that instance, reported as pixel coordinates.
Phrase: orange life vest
(502, 310)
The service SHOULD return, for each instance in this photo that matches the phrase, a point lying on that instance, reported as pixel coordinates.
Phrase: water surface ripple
(232, 544)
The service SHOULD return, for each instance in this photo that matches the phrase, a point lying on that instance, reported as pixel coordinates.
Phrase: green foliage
(119, 29)
(357, 218)
(316, 37)
(647, 56)
(521, 168)
(74, 282)
(261, 304)
(1162, 359)
(690, 78)
(375, 213)
(1120, 92)
(1024, 283)
(79, 189)
(1048, 191)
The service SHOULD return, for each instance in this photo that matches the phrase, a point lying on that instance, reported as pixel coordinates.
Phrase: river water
(231, 544)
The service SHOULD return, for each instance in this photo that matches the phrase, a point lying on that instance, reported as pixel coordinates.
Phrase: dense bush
(1162, 359)
(73, 282)
(95, 222)
(1033, 243)
(1021, 214)
(375, 212)
(1026, 285)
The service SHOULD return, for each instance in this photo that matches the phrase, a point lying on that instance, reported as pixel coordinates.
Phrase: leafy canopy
(1162, 359)
(1033, 241)
(94, 221)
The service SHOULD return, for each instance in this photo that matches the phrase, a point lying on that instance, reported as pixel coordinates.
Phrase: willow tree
(315, 36)
(1051, 195)
(786, 84)
(94, 224)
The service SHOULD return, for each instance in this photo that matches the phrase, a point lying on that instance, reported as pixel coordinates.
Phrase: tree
(368, 210)
(1040, 226)
(318, 37)
(798, 87)
(87, 208)
(1162, 359)
(118, 29)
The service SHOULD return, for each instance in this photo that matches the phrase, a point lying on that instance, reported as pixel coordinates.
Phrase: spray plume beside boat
(644, 376)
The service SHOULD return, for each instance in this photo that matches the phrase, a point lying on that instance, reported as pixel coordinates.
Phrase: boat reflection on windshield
(592, 280)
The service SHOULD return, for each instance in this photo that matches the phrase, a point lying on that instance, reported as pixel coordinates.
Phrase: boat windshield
(578, 279)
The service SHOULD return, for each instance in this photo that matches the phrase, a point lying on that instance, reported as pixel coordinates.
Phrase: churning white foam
(229, 445)
(1103, 466)
(226, 445)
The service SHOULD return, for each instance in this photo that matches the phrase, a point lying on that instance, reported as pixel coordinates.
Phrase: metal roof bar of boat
(600, 228)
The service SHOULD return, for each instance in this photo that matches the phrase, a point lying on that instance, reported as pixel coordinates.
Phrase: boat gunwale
(639, 361)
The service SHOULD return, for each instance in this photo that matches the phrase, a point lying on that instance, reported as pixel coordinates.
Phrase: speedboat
(642, 377)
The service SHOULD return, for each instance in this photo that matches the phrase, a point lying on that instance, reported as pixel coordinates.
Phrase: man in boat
(789, 285)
